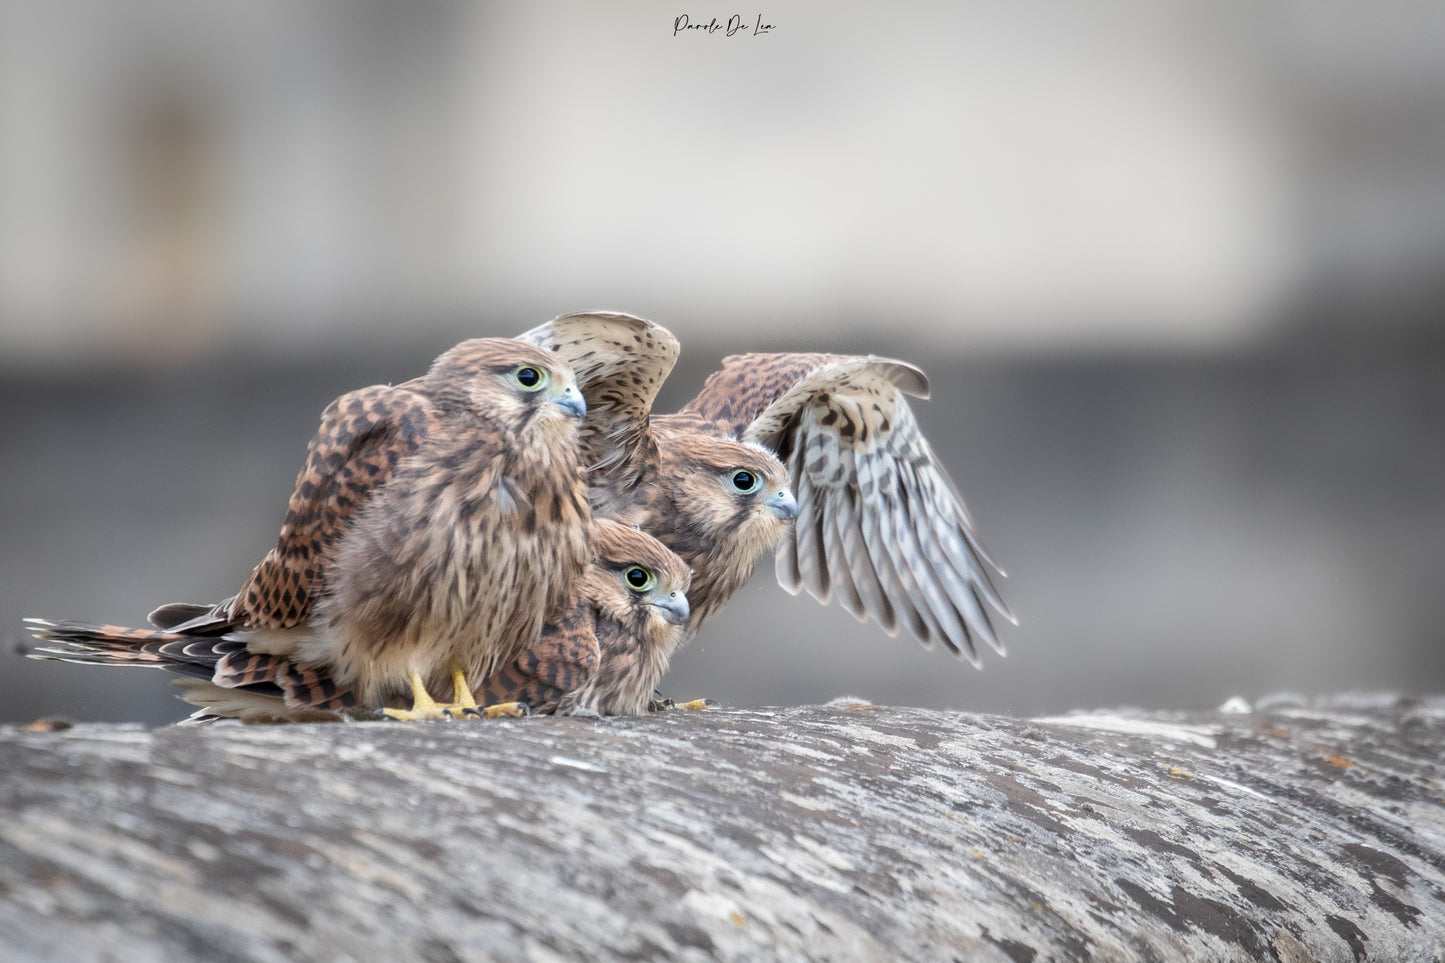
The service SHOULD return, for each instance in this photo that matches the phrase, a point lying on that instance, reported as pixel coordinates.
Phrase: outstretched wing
(363, 435)
(880, 524)
(621, 362)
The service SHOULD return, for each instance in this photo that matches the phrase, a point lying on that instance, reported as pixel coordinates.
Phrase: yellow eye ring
(638, 579)
(530, 378)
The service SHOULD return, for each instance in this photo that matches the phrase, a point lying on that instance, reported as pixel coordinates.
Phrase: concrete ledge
(1308, 832)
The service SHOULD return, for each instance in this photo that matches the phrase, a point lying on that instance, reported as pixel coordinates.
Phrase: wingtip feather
(907, 378)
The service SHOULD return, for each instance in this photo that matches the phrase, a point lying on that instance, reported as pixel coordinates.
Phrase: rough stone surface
(1300, 832)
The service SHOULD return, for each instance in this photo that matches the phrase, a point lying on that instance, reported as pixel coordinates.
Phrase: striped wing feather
(880, 524)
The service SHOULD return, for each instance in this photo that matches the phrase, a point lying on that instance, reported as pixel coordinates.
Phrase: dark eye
(744, 481)
(639, 579)
(529, 377)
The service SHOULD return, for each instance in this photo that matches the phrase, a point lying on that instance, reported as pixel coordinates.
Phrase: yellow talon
(666, 705)
(461, 692)
(513, 710)
(423, 706)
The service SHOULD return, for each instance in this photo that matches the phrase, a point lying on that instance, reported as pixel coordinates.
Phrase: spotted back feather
(736, 395)
(363, 435)
(562, 659)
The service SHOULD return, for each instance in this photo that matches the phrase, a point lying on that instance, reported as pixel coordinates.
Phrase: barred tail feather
(224, 678)
(216, 702)
(83, 642)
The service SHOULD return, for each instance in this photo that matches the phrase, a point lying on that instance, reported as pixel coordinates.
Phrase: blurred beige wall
(181, 176)
(1175, 270)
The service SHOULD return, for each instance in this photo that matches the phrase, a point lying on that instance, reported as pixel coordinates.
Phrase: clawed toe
(512, 710)
(696, 705)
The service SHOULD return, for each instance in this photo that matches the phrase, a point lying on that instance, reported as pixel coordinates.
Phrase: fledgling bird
(432, 527)
(602, 654)
(879, 522)
(718, 502)
(607, 653)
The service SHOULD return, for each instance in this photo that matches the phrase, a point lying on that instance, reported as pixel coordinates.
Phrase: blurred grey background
(1176, 273)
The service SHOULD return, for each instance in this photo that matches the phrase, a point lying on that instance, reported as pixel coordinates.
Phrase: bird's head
(510, 383)
(732, 494)
(637, 583)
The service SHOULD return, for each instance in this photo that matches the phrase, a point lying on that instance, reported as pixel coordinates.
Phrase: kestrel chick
(879, 522)
(432, 527)
(718, 502)
(603, 654)
(610, 650)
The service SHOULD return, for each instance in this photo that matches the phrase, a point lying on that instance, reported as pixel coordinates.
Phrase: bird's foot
(696, 705)
(423, 706)
(418, 713)
(436, 710)
(510, 710)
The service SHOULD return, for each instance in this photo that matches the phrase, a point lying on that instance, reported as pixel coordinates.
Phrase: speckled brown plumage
(623, 361)
(432, 527)
(604, 653)
(363, 436)
(667, 477)
(610, 650)
(880, 524)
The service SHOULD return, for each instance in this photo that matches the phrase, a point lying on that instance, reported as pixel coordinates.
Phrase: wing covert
(363, 435)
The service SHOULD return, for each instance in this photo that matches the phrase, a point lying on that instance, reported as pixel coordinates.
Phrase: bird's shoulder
(363, 437)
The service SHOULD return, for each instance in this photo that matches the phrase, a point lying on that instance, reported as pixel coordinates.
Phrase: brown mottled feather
(562, 659)
(611, 650)
(666, 475)
(621, 362)
(212, 663)
(412, 542)
(880, 524)
(363, 436)
(605, 653)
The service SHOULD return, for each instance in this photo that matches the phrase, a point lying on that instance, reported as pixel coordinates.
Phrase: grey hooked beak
(783, 503)
(674, 608)
(571, 400)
